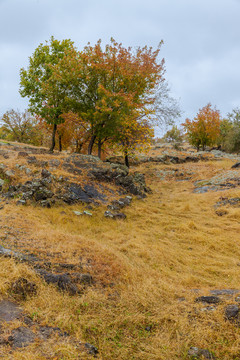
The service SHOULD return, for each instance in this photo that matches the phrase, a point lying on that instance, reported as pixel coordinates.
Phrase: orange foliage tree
(204, 129)
(72, 132)
(112, 90)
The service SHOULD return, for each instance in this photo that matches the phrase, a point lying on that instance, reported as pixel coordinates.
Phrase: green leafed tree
(45, 101)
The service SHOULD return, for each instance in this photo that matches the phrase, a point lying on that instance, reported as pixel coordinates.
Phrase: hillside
(98, 262)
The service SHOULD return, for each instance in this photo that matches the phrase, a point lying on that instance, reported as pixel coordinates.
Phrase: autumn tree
(110, 89)
(204, 129)
(73, 132)
(20, 126)
(174, 134)
(134, 135)
(45, 101)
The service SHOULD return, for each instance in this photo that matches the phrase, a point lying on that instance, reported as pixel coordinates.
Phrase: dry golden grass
(171, 243)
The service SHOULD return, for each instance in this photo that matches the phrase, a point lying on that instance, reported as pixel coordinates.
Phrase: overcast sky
(201, 42)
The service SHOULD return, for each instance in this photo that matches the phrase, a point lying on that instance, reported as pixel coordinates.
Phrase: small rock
(78, 213)
(45, 173)
(92, 350)
(21, 337)
(45, 203)
(87, 213)
(21, 202)
(231, 312)
(221, 212)
(62, 281)
(47, 331)
(208, 308)
(43, 194)
(208, 299)
(197, 353)
(148, 328)
(28, 171)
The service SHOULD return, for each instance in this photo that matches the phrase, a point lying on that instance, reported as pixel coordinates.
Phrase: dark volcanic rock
(134, 184)
(21, 337)
(9, 311)
(62, 281)
(231, 312)
(43, 194)
(237, 165)
(119, 204)
(46, 332)
(22, 288)
(208, 299)
(86, 194)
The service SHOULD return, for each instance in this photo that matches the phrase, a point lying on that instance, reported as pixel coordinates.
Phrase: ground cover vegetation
(139, 285)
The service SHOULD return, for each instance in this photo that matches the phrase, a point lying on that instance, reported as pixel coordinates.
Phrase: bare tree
(166, 107)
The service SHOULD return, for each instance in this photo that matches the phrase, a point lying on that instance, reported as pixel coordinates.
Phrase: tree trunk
(78, 146)
(99, 148)
(60, 142)
(53, 137)
(126, 159)
(91, 143)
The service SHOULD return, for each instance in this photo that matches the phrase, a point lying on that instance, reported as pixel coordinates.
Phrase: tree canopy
(117, 94)
(44, 101)
(204, 129)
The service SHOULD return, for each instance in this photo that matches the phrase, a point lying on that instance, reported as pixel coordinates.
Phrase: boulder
(235, 166)
(232, 312)
(208, 299)
(21, 337)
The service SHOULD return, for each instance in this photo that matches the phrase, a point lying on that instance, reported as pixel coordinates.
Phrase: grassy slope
(172, 242)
